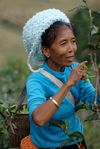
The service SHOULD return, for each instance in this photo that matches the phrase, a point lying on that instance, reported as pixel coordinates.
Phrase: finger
(82, 64)
(84, 75)
(80, 73)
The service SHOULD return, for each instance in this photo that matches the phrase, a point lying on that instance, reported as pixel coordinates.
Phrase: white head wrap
(33, 30)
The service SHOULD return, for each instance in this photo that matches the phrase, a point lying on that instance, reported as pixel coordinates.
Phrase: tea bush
(12, 80)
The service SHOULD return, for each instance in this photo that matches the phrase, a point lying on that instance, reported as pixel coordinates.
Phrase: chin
(68, 64)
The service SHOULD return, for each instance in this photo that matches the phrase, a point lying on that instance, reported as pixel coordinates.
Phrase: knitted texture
(35, 27)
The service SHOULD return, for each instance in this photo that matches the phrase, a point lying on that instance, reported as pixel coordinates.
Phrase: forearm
(44, 112)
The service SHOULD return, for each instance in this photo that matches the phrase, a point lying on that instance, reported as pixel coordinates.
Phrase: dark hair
(50, 34)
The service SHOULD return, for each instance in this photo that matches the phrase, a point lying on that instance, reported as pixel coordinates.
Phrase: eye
(63, 44)
(73, 41)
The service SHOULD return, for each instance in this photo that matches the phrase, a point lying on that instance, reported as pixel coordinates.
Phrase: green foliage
(7, 114)
(4, 138)
(60, 124)
(88, 31)
(14, 74)
(96, 18)
(92, 115)
(92, 134)
(72, 136)
(81, 29)
(94, 111)
(12, 80)
(3, 135)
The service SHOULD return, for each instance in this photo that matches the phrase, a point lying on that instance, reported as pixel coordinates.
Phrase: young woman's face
(61, 53)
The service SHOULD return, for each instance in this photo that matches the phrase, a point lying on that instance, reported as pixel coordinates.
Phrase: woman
(48, 37)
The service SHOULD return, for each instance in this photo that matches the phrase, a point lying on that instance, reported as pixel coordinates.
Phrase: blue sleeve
(98, 99)
(87, 92)
(35, 93)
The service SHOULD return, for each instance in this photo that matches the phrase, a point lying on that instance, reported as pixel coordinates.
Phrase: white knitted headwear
(33, 30)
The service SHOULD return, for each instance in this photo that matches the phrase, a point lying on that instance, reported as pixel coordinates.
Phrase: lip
(72, 56)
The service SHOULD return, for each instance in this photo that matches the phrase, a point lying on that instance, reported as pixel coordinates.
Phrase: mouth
(72, 56)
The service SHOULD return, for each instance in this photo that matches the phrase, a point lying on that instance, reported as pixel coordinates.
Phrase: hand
(79, 72)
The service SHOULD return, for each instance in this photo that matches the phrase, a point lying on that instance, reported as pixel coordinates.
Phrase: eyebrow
(63, 40)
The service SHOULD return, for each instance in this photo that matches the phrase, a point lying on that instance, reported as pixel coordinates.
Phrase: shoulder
(35, 82)
(34, 77)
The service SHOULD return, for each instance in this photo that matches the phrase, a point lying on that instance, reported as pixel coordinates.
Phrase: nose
(70, 48)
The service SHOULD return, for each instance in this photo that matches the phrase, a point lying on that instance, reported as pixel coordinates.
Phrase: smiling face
(62, 50)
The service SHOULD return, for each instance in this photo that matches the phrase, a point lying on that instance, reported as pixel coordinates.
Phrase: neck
(55, 66)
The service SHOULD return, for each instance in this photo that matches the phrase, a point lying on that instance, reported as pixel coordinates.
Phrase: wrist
(69, 84)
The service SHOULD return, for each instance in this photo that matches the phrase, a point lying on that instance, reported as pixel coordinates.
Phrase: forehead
(64, 32)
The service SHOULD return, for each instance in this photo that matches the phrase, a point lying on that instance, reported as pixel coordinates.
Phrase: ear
(46, 52)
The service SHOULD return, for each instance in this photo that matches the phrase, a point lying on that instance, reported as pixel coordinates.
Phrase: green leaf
(77, 135)
(92, 117)
(95, 36)
(60, 124)
(82, 106)
(79, 107)
(94, 107)
(94, 30)
(73, 136)
(96, 18)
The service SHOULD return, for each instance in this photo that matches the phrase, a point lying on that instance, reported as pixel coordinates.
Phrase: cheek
(75, 48)
(58, 52)
(58, 56)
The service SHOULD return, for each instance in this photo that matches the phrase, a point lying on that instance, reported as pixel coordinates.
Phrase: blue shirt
(39, 89)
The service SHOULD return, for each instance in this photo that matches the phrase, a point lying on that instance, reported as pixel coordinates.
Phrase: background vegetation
(13, 71)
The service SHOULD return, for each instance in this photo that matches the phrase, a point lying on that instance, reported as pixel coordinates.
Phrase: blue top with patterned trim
(39, 89)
